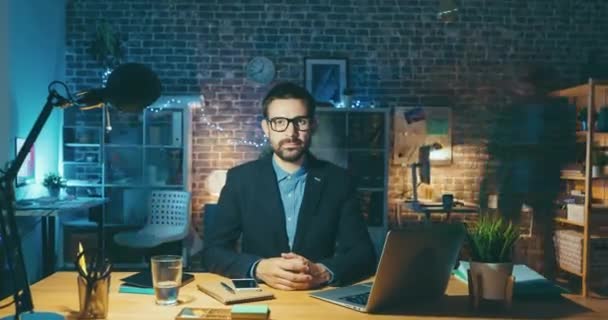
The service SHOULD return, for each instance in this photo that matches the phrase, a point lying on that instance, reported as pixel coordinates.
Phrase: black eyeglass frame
(292, 121)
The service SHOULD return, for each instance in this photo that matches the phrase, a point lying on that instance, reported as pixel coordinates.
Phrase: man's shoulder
(249, 167)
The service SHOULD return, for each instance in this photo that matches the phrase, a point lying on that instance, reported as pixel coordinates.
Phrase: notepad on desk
(250, 312)
(219, 293)
(125, 288)
(528, 283)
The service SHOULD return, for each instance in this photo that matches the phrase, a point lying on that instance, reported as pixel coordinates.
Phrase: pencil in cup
(93, 297)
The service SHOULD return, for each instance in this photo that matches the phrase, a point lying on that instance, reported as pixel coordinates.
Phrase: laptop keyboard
(357, 298)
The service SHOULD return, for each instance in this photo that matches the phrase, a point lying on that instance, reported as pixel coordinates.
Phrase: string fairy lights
(204, 118)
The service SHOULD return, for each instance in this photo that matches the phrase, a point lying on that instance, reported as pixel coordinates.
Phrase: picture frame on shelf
(326, 79)
(27, 172)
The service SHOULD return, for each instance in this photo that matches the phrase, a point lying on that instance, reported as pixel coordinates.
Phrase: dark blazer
(330, 228)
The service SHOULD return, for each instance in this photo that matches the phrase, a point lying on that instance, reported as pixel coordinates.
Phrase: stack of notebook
(219, 292)
(141, 283)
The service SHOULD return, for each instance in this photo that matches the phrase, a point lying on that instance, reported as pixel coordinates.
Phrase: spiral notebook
(219, 293)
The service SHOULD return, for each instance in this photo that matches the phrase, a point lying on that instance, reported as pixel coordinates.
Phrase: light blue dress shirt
(291, 187)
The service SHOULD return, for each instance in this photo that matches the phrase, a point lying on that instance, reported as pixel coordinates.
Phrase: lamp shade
(131, 87)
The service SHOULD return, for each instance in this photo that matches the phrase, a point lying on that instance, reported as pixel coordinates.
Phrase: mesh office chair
(168, 221)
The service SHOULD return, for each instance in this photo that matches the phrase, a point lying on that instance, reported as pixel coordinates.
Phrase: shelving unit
(357, 139)
(595, 92)
(143, 152)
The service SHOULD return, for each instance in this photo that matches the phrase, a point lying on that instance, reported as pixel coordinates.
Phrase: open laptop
(416, 263)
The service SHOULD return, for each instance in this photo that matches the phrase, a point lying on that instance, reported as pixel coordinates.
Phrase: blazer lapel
(269, 191)
(315, 182)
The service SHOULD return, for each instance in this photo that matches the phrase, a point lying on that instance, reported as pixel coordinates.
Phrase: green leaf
(492, 239)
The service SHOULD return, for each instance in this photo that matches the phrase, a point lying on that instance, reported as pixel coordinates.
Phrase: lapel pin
(318, 179)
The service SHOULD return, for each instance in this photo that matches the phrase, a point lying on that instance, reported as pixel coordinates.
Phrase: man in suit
(297, 216)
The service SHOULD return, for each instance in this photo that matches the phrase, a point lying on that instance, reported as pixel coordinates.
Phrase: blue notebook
(528, 283)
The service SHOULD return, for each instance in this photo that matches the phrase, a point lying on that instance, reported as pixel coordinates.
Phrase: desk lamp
(131, 87)
(447, 205)
(424, 163)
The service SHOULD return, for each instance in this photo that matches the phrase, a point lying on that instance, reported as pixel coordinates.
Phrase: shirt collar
(282, 174)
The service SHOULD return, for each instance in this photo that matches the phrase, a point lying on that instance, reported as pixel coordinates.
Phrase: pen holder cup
(93, 298)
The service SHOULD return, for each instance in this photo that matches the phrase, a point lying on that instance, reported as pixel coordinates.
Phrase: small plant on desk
(54, 183)
(492, 239)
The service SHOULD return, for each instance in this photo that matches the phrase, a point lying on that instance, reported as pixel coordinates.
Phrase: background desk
(48, 211)
(58, 293)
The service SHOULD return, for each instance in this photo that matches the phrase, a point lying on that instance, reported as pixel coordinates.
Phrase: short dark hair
(289, 90)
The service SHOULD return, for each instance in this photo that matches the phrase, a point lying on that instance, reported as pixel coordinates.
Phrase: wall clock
(260, 70)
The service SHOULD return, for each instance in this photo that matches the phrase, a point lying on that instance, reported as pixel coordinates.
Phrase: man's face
(291, 116)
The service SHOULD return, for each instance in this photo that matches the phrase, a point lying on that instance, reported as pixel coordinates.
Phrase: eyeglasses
(280, 124)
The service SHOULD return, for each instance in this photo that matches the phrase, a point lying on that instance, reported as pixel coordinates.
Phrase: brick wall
(399, 54)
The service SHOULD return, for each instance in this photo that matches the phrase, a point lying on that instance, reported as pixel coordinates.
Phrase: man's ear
(264, 125)
(313, 127)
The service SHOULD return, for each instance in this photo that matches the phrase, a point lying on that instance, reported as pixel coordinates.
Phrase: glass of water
(166, 278)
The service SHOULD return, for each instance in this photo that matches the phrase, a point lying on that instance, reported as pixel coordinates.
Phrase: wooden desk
(58, 293)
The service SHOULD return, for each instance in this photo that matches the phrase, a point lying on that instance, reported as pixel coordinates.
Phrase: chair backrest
(170, 208)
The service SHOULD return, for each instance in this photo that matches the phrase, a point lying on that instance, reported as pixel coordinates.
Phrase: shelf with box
(581, 236)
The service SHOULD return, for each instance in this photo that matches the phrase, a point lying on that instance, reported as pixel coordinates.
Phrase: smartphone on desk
(245, 284)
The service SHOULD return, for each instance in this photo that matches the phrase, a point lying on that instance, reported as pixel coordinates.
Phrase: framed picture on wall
(325, 79)
(27, 172)
(414, 127)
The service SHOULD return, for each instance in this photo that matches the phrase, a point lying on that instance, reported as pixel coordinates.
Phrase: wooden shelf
(569, 222)
(572, 177)
(581, 177)
(587, 95)
(581, 136)
(580, 90)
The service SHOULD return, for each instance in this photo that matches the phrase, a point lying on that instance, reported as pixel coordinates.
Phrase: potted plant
(492, 239)
(106, 46)
(53, 183)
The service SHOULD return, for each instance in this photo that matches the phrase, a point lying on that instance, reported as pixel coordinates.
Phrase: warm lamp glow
(215, 181)
(441, 154)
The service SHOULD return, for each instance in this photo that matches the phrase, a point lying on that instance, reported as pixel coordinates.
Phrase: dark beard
(293, 156)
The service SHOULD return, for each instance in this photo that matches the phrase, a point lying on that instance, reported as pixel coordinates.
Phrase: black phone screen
(244, 283)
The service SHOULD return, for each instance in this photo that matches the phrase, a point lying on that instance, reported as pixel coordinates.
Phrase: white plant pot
(494, 278)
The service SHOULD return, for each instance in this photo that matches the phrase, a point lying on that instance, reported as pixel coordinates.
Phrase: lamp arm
(8, 224)
(52, 100)
(12, 247)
